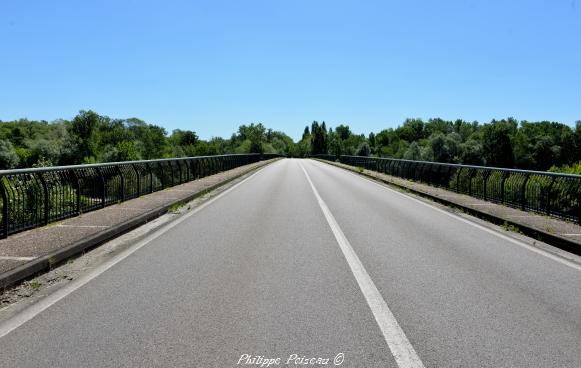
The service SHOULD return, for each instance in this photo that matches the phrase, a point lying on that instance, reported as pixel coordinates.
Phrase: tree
(343, 132)
(83, 128)
(319, 138)
(8, 156)
(413, 152)
(496, 145)
(255, 134)
(437, 144)
(306, 133)
(545, 153)
(412, 130)
(471, 153)
(363, 149)
(335, 144)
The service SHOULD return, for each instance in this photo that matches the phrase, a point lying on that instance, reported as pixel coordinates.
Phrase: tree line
(90, 137)
(505, 143)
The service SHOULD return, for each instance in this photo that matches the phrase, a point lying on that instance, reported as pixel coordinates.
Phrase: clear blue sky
(210, 66)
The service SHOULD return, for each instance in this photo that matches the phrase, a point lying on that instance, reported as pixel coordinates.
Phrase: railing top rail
(106, 164)
(516, 171)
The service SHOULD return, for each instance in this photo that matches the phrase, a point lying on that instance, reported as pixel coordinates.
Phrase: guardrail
(35, 197)
(552, 194)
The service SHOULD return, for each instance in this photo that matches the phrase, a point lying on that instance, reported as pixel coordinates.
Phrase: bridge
(294, 262)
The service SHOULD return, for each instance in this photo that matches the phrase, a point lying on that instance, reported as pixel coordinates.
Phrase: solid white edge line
(37, 308)
(16, 258)
(402, 350)
(542, 252)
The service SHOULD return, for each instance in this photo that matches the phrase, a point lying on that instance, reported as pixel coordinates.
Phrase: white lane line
(571, 234)
(554, 257)
(402, 350)
(87, 226)
(10, 258)
(32, 311)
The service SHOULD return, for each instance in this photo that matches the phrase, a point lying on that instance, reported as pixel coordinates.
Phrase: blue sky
(210, 66)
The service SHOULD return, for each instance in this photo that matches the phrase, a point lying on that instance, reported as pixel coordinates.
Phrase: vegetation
(90, 137)
(503, 143)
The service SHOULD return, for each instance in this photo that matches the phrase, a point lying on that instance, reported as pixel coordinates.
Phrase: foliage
(90, 137)
(8, 157)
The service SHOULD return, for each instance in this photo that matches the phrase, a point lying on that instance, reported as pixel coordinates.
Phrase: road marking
(10, 258)
(402, 350)
(571, 234)
(134, 208)
(37, 308)
(87, 226)
(545, 253)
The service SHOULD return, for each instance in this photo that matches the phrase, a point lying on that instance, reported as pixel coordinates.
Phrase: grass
(550, 230)
(175, 208)
(35, 284)
(510, 227)
(51, 262)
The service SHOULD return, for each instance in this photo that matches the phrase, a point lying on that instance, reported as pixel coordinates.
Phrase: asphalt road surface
(304, 264)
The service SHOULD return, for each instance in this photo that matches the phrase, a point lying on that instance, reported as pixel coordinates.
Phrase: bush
(8, 157)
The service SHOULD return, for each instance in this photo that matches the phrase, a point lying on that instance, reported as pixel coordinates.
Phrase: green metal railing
(552, 194)
(35, 197)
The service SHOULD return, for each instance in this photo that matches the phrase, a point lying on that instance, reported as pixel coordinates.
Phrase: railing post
(505, 176)
(138, 179)
(78, 192)
(458, 180)
(161, 177)
(103, 188)
(192, 174)
(523, 197)
(5, 211)
(45, 192)
(549, 195)
(122, 182)
(579, 208)
(150, 171)
(486, 175)
(471, 175)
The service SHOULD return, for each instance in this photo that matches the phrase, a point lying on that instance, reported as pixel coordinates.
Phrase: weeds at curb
(35, 284)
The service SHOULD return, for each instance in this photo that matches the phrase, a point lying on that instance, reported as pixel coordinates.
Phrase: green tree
(413, 152)
(363, 149)
(83, 127)
(496, 145)
(8, 157)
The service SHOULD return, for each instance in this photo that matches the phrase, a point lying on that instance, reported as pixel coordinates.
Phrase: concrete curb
(46, 262)
(552, 239)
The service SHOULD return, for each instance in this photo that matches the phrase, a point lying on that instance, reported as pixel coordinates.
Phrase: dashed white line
(402, 350)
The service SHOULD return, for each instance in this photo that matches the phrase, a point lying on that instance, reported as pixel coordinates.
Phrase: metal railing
(35, 197)
(552, 194)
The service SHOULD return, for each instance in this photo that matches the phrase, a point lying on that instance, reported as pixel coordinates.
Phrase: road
(305, 258)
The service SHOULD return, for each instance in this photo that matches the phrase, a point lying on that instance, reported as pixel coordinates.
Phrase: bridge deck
(306, 259)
